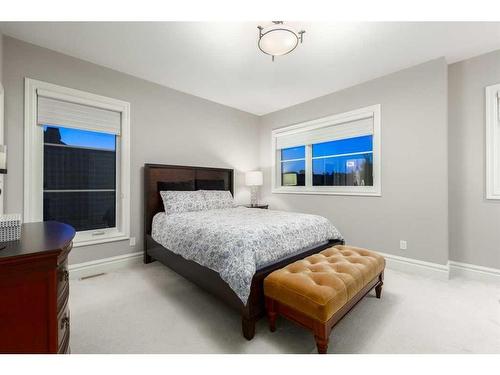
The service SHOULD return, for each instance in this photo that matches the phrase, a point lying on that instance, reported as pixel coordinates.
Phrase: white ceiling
(221, 61)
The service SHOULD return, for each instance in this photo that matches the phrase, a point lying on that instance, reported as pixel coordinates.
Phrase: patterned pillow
(182, 201)
(216, 199)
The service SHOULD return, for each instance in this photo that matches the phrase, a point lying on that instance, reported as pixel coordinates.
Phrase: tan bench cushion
(321, 284)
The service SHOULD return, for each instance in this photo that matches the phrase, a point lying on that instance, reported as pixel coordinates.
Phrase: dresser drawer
(63, 324)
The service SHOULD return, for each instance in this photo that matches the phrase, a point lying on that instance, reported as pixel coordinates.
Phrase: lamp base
(253, 196)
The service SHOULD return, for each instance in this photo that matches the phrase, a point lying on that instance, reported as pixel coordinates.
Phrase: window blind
(71, 115)
(355, 128)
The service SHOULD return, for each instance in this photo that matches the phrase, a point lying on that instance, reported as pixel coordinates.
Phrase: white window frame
(492, 142)
(33, 159)
(375, 190)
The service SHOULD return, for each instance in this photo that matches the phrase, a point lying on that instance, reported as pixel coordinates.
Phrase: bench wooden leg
(321, 335)
(321, 344)
(378, 288)
(271, 314)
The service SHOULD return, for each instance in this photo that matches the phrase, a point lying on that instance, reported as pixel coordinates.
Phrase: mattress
(235, 242)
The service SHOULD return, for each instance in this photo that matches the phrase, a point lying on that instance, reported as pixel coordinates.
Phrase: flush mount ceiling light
(278, 39)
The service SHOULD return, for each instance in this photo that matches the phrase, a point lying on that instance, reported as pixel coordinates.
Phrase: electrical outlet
(403, 245)
(132, 241)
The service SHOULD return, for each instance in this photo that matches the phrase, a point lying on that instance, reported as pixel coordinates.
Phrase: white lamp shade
(254, 178)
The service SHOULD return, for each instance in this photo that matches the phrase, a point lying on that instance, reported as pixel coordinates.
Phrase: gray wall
(414, 202)
(1, 56)
(416, 188)
(474, 221)
(167, 126)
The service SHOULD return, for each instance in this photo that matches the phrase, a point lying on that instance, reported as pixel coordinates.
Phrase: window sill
(110, 238)
(327, 192)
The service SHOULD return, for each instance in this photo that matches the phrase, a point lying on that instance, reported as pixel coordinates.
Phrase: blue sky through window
(343, 146)
(85, 138)
(293, 153)
(297, 166)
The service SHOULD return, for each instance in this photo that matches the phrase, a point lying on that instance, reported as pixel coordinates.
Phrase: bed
(240, 285)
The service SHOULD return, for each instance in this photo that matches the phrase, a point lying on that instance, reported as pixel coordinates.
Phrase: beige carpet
(150, 309)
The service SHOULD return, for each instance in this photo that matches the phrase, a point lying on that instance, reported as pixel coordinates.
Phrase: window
(346, 162)
(493, 142)
(79, 178)
(77, 161)
(293, 166)
(334, 155)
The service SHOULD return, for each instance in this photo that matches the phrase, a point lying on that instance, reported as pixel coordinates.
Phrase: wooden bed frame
(200, 178)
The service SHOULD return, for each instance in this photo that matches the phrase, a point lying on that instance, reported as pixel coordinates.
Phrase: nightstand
(262, 206)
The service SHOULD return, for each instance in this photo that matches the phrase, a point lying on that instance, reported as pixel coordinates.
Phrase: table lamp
(254, 179)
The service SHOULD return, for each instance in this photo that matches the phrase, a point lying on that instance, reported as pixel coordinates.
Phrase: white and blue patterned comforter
(235, 242)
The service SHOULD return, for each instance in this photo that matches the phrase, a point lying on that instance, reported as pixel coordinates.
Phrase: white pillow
(216, 199)
(183, 201)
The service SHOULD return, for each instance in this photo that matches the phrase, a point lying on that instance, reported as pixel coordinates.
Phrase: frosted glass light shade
(278, 41)
(254, 178)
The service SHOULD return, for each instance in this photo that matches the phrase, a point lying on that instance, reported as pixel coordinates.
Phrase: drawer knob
(64, 275)
(65, 322)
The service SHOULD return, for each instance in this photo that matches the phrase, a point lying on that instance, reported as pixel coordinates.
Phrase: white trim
(492, 141)
(341, 155)
(473, 271)
(78, 147)
(366, 112)
(33, 163)
(327, 190)
(93, 267)
(86, 238)
(441, 271)
(2, 190)
(288, 160)
(416, 266)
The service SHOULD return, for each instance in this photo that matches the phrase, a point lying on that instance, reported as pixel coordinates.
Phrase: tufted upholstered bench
(317, 291)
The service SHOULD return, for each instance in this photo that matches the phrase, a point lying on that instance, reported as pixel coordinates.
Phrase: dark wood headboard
(197, 176)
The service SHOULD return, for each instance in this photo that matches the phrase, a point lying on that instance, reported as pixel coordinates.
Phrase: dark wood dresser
(34, 290)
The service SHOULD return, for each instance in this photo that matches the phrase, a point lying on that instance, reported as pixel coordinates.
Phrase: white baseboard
(473, 271)
(416, 266)
(395, 262)
(93, 267)
(441, 271)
